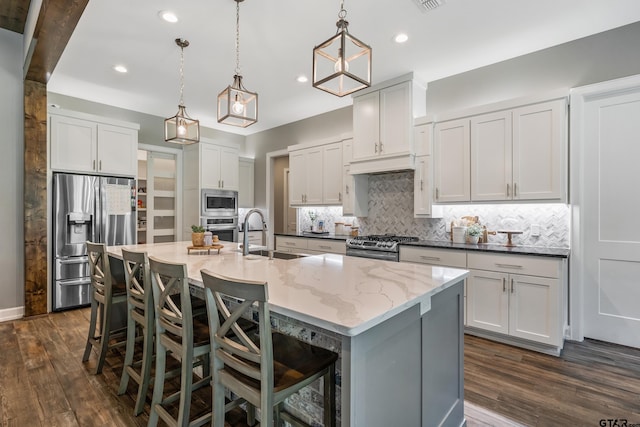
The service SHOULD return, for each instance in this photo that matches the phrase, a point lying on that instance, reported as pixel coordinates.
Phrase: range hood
(396, 163)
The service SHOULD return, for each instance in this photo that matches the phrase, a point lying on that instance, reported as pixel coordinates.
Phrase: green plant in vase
(197, 235)
(474, 231)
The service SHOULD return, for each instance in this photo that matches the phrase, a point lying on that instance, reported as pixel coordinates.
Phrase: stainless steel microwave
(219, 203)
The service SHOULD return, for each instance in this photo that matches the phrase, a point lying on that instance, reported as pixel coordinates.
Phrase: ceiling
(276, 42)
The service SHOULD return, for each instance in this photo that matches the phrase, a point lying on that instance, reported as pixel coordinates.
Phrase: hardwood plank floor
(44, 383)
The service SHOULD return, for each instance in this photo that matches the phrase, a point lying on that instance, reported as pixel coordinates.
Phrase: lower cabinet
(302, 245)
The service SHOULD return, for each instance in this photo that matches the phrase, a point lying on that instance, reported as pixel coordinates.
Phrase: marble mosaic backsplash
(391, 211)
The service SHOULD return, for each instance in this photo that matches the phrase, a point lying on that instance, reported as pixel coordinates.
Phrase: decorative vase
(474, 239)
(197, 239)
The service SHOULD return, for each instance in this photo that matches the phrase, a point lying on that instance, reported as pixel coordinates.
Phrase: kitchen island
(398, 328)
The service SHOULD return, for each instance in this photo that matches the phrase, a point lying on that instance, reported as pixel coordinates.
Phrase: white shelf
(141, 194)
(157, 213)
(142, 229)
(164, 232)
(142, 209)
(164, 194)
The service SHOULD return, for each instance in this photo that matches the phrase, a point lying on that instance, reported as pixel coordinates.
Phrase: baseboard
(11, 314)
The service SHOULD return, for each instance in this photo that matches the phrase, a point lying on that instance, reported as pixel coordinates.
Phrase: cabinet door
(452, 161)
(332, 174)
(422, 187)
(210, 166)
(488, 301)
(422, 136)
(534, 309)
(366, 125)
(314, 169)
(297, 177)
(539, 151)
(347, 190)
(74, 144)
(245, 191)
(491, 157)
(396, 120)
(117, 150)
(229, 172)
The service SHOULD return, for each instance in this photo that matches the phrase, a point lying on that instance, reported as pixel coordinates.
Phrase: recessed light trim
(302, 79)
(120, 68)
(401, 38)
(168, 16)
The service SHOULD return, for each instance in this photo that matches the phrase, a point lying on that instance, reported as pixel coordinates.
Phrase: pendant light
(236, 105)
(182, 129)
(342, 64)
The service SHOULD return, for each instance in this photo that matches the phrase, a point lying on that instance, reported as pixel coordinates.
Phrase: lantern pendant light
(236, 105)
(342, 64)
(182, 129)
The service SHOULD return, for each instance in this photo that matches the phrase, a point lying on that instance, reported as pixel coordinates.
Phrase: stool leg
(145, 369)
(330, 396)
(128, 358)
(186, 382)
(218, 405)
(158, 384)
(104, 339)
(92, 328)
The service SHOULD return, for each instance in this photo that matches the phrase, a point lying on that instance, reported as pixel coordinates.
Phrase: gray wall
(11, 173)
(151, 127)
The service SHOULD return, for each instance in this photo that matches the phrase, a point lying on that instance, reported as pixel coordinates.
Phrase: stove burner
(389, 238)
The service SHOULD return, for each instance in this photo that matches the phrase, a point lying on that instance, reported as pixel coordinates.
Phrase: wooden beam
(13, 14)
(56, 21)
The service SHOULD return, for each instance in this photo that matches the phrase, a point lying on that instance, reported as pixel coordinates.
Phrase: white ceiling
(276, 42)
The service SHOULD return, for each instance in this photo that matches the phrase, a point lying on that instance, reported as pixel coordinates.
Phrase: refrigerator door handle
(74, 260)
(74, 282)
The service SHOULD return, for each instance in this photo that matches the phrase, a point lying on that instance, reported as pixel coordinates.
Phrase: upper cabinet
(312, 175)
(211, 166)
(355, 188)
(383, 125)
(423, 175)
(90, 144)
(245, 193)
(508, 155)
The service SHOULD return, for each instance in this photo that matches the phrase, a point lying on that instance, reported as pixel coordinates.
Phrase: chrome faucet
(245, 227)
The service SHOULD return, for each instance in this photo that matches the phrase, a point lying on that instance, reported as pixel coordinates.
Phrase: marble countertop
(494, 247)
(347, 295)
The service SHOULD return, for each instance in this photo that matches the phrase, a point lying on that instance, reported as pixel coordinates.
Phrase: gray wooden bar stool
(265, 369)
(139, 315)
(104, 294)
(182, 336)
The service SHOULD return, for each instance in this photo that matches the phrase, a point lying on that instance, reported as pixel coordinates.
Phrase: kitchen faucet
(245, 227)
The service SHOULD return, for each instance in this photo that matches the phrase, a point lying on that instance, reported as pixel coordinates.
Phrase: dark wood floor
(44, 383)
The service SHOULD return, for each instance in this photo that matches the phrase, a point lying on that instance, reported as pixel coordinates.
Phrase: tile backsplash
(391, 211)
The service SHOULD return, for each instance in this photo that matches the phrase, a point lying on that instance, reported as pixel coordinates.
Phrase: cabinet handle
(339, 196)
(437, 193)
(381, 147)
(508, 265)
(375, 148)
(421, 182)
(514, 189)
(430, 258)
(223, 183)
(94, 165)
(347, 190)
(512, 286)
(324, 247)
(504, 284)
(99, 164)
(507, 190)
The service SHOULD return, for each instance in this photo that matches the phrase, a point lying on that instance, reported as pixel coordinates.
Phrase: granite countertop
(494, 247)
(347, 295)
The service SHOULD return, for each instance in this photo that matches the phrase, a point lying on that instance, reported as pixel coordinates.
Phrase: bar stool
(183, 336)
(265, 369)
(104, 294)
(139, 315)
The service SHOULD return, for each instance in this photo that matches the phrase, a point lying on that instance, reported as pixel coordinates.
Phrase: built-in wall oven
(226, 228)
(219, 203)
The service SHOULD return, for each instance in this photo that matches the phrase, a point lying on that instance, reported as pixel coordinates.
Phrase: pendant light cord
(181, 75)
(237, 37)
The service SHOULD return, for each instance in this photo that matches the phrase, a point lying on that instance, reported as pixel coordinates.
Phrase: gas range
(380, 246)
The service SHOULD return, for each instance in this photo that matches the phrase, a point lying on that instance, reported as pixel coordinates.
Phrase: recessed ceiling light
(401, 38)
(302, 79)
(120, 68)
(168, 16)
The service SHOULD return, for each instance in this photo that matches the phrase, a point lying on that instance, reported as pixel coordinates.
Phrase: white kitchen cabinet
(519, 154)
(245, 182)
(89, 146)
(331, 174)
(355, 188)
(302, 245)
(423, 175)
(254, 237)
(382, 125)
(315, 175)
(452, 160)
(219, 167)
(291, 244)
(519, 296)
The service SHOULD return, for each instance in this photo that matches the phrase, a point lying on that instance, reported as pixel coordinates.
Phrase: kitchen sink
(276, 254)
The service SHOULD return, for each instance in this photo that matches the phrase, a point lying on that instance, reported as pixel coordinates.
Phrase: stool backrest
(236, 351)
(170, 279)
(136, 274)
(99, 269)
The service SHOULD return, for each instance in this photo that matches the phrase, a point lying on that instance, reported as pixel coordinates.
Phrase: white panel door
(229, 169)
(422, 187)
(332, 174)
(117, 150)
(396, 119)
(452, 161)
(488, 301)
(491, 177)
(534, 309)
(74, 144)
(366, 125)
(297, 177)
(210, 166)
(313, 170)
(610, 215)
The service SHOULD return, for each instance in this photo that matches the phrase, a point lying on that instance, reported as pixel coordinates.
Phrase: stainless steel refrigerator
(85, 207)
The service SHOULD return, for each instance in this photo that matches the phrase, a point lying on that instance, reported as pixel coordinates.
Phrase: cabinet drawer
(518, 264)
(290, 243)
(431, 256)
(327, 246)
